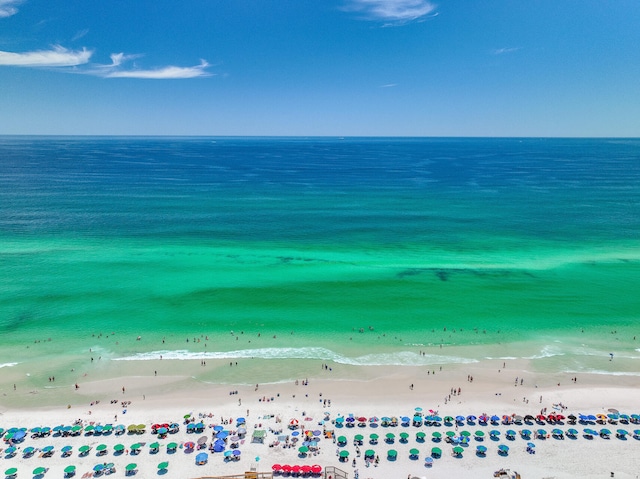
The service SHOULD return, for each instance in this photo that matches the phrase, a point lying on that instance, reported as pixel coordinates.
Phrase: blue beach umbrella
(494, 433)
(202, 458)
(531, 445)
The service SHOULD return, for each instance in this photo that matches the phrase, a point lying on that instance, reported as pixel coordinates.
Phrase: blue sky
(322, 67)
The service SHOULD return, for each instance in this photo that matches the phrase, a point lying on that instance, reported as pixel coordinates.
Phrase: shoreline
(368, 391)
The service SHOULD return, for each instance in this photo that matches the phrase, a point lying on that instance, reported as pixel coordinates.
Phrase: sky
(320, 67)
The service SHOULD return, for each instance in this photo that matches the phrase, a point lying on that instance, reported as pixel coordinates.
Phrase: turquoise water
(361, 251)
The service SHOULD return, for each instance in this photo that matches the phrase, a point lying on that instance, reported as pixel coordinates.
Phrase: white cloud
(400, 11)
(56, 57)
(164, 73)
(389, 85)
(80, 34)
(502, 51)
(7, 7)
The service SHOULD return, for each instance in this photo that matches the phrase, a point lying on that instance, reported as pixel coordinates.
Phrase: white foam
(546, 352)
(605, 373)
(321, 354)
(8, 365)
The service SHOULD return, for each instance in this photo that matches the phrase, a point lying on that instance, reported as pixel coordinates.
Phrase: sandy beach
(314, 403)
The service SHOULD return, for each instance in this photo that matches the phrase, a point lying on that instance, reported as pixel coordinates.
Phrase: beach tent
(258, 436)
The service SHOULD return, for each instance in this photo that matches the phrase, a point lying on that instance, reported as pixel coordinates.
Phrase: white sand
(380, 392)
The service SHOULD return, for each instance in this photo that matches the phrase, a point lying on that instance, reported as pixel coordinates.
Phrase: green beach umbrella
(369, 453)
(404, 435)
(392, 453)
(342, 439)
(421, 435)
(154, 445)
(172, 445)
(136, 446)
(479, 433)
(131, 467)
(344, 453)
(84, 449)
(11, 471)
(163, 465)
(303, 449)
(436, 451)
(358, 437)
(101, 447)
(390, 435)
(70, 469)
(39, 470)
(450, 433)
(465, 433)
(374, 436)
(89, 428)
(458, 450)
(118, 447)
(107, 427)
(414, 452)
(437, 435)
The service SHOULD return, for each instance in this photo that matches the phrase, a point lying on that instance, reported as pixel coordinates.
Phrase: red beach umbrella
(276, 467)
(305, 469)
(362, 419)
(316, 469)
(286, 468)
(540, 417)
(295, 469)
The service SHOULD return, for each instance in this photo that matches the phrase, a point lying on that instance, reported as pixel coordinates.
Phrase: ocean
(364, 251)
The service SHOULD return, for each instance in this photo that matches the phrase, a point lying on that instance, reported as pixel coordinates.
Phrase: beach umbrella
(12, 471)
(414, 452)
(189, 445)
(557, 432)
(101, 448)
(392, 453)
(358, 437)
(373, 437)
(572, 432)
(525, 432)
(503, 448)
(479, 434)
(202, 457)
(342, 440)
(471, 418)
(622, 432)
(163, 430)
(418, 409)
(118, 447)
(448, 419)
(531, 445)
(136, 446)
(84, 449)
(541, 432)
(460, 418)
(28, 450)
(437, 435)
(228, 453)
(172, 445)
(494, 433)
(130, 467)
(47, 449)
(66, 449)
(154, 445)
(465, 433)
(344, 453)
(98, 467)
(236, 452)
(481, 449)
(458, 450)
(276, 467)
(163, 465)
(369, 453)
(39, 470)
(512, 433)
(450, 433)
(303, 449)
(404, 436)
(420, 435)
(390, 435)
(70, 469)
(316, 469)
